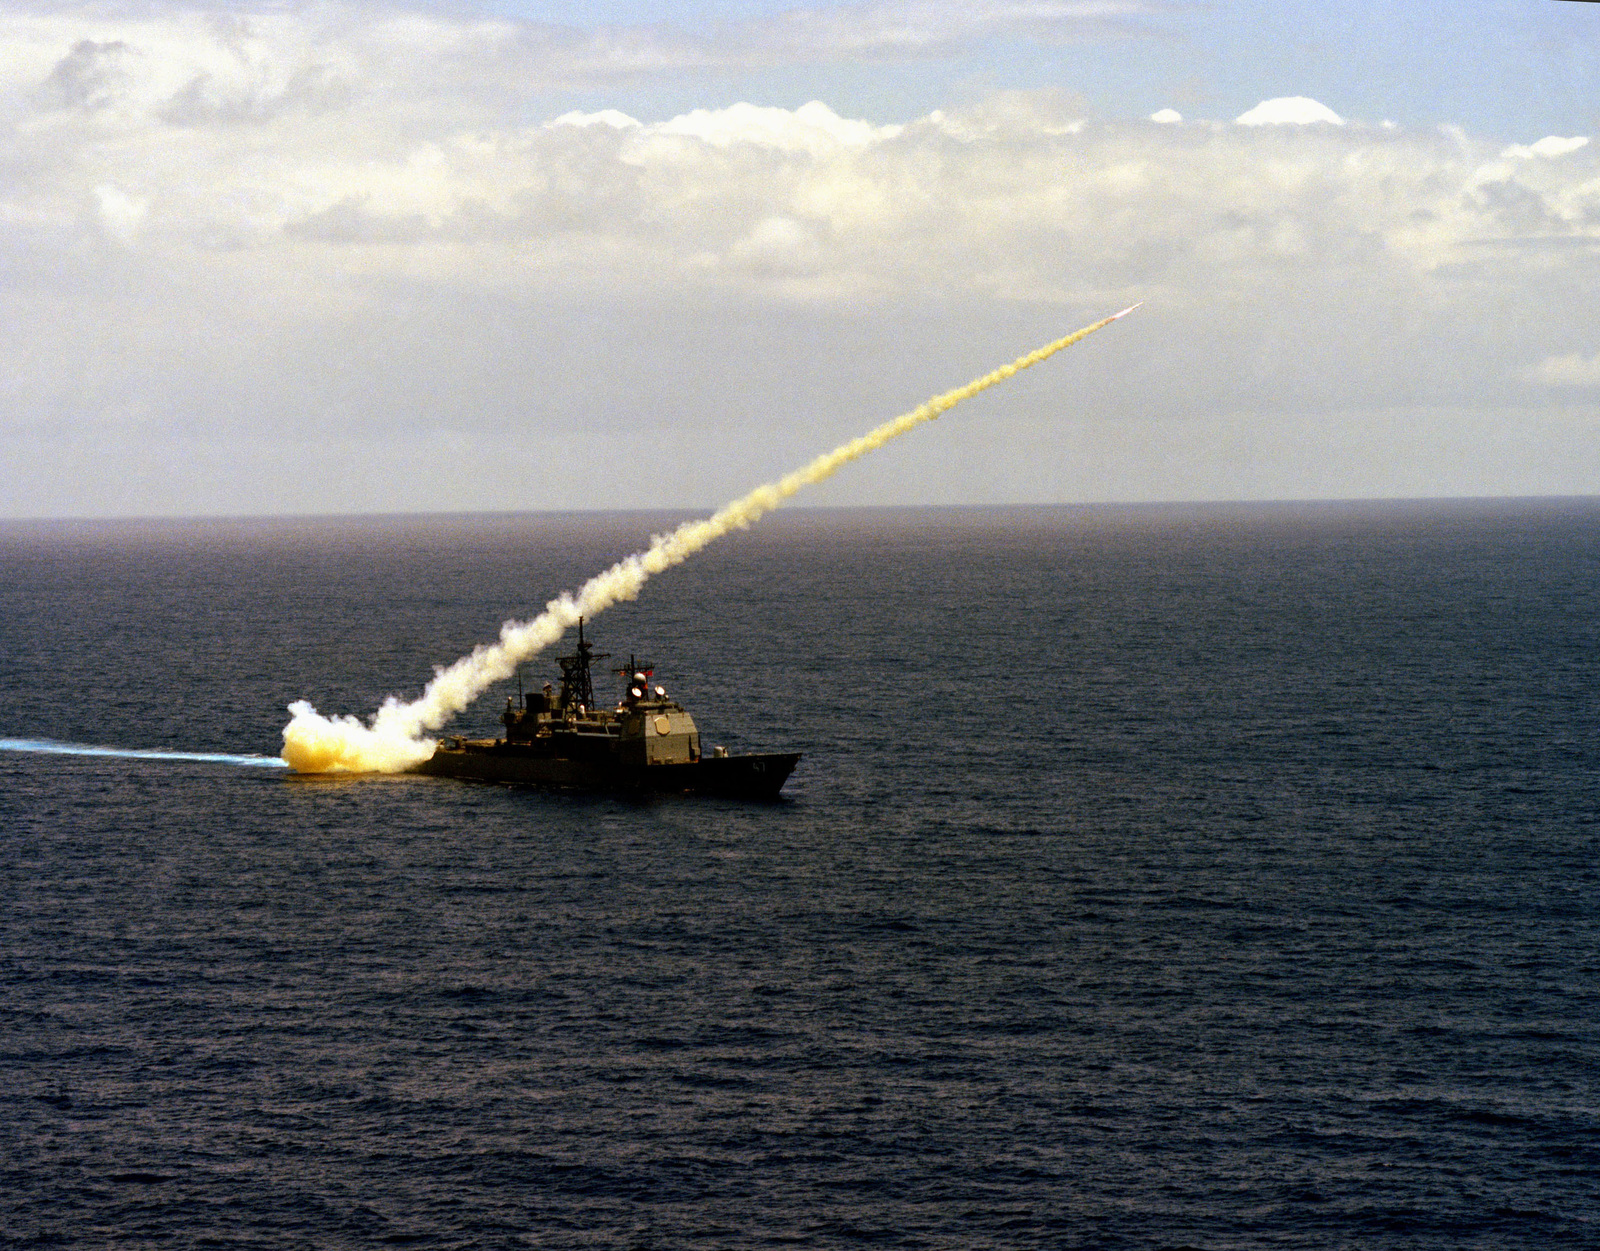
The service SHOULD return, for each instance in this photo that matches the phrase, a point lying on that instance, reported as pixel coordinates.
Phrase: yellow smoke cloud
(393, 741)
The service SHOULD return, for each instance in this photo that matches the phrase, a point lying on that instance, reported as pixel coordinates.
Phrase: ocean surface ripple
(1213, 877)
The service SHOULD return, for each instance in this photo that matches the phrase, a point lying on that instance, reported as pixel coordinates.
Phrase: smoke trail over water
(50, 747)
(314, 743)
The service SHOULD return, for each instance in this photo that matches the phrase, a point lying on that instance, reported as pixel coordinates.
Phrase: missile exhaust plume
(393, 740)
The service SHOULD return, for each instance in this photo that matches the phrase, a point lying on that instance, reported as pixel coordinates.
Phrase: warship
(646, 743)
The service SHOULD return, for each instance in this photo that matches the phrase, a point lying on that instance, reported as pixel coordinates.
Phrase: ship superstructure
(647, 741)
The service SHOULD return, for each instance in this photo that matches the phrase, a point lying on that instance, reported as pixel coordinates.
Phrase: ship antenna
(576, 687)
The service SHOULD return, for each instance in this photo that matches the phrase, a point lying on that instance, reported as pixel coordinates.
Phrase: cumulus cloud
(1289, 111)
(1549, 146)
(263, 136)
(330, 221)
(813, 127)
(604, 117)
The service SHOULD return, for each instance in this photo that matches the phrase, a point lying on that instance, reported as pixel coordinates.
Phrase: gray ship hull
(517, 764)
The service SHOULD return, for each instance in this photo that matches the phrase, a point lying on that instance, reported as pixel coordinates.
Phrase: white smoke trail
(50, 747)
(313, 743)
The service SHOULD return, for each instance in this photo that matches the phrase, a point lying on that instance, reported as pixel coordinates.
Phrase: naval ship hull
(516, 764)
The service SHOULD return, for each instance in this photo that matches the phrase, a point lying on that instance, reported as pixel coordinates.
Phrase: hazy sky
(278, 258)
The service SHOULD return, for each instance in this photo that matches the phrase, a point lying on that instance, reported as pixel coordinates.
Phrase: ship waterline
(648, 742)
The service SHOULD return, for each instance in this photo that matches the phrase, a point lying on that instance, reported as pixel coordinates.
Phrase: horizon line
(690, 510)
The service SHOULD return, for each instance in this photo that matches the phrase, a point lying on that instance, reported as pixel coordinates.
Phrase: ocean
(1206, 876)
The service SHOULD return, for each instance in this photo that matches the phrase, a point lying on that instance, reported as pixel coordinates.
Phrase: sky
(280, 258)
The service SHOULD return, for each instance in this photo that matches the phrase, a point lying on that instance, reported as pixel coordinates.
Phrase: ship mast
(577, 688)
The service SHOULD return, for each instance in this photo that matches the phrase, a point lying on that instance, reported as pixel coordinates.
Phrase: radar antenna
(576, 685)
(646, 667)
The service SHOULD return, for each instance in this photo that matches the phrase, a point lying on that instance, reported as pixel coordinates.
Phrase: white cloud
(605, 117)
(1287, 111)
(1166, 117)
(120, 213)
(1571, 370)
(812, 127)
(348, 224)
(777, 244)
(1550, 146)
(1016, 193)
(282, 139)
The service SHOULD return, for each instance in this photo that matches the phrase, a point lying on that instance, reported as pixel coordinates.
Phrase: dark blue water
(1217, 877)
